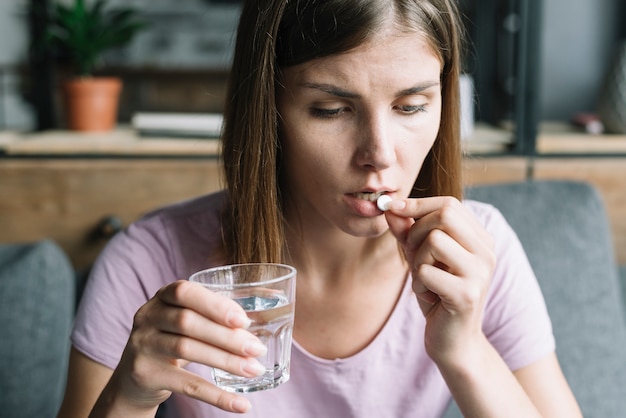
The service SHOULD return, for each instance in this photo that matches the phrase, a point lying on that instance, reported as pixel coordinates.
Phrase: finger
(418, 207)
(173, 346)
(402, 215)
(427, 298)
(437, 250)
(438, 253)
(187, 383)
(215, 307)
(399, 226)
(455, 220)
(182, 321)
(441, 250)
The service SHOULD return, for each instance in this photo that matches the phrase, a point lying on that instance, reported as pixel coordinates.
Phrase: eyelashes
(411, 110)
(325, 113)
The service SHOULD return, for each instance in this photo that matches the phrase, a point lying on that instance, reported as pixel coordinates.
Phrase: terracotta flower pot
(91, 103)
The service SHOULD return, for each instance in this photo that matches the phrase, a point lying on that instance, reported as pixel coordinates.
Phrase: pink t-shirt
(392, 377)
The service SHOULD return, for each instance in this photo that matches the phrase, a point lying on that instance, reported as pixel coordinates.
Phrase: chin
(372, 228)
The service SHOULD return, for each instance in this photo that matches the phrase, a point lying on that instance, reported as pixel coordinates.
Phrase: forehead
(389, 57)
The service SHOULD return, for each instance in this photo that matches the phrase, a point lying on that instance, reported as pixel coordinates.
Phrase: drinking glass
(266, 291)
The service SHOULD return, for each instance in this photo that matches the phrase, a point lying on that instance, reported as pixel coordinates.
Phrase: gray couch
(562, 225)
(37, 303)
(565, 232)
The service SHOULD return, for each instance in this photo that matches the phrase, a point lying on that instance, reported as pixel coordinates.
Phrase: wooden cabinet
(68, 199)
(63, 186)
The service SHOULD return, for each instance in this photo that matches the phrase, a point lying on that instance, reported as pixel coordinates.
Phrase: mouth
(369, 196)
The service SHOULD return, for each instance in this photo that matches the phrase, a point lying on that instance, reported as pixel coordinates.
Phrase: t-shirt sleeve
(516, 321)
(125, 276)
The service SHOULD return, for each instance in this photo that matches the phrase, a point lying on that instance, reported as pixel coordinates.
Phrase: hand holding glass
(266, 291)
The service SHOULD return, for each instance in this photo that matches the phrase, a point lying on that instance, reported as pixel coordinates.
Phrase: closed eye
(410, 110)
(323, 113)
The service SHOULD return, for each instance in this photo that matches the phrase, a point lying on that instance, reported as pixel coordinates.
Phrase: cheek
(304, 156)
(415, 149)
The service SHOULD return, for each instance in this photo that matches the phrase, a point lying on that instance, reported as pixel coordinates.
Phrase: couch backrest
(564, 230)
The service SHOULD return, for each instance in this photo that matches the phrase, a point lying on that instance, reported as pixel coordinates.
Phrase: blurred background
(535, 71)
(566, 46)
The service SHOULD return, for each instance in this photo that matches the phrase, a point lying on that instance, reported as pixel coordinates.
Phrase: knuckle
(193, 388)
(450, 202)
(470, 297)
(223, 400)
(141, 373)
(181, 347)
(180, 289)
(142, 316)
(449, 211)
(434, 238)
(421, 270)
(184, 319)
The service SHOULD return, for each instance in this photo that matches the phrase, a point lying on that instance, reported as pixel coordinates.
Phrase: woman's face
(356, 125)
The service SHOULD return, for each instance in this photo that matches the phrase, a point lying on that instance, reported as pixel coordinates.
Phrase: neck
(338, 258)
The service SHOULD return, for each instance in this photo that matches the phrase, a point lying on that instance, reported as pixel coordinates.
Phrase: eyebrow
(335, 91)
(332, 90)
(417, 89)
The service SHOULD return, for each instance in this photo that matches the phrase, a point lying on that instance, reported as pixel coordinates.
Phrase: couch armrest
(36, 313)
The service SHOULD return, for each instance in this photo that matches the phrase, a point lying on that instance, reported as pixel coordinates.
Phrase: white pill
(383, 202)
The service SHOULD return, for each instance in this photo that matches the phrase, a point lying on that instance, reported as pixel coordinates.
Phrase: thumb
(399, 226)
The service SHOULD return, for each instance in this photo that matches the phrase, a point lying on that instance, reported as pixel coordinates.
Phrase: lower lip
(363, 207)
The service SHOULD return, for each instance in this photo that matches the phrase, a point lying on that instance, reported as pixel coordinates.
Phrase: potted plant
(80, 34)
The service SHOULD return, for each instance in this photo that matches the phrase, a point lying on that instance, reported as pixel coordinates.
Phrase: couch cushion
(36, 310)
(565, 232)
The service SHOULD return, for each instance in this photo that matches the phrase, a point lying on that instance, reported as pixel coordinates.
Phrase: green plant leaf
(82, 33)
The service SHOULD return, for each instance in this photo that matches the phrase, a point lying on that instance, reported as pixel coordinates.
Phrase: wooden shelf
(554, 138)
(563, 138)
(487, 139)
(119, 142)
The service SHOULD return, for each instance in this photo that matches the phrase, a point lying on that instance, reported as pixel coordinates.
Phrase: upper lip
(381, 189)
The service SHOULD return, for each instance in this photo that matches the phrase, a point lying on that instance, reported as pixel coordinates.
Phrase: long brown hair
(273, 34)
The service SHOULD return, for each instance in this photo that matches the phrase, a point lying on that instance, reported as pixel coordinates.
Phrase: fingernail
(253, 367)
(254, 348)
(240, 405)
(238, 319)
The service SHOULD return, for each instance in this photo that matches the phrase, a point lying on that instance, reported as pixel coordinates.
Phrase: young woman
(331, 104)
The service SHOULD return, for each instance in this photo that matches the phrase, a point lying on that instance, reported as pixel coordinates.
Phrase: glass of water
(266, 291)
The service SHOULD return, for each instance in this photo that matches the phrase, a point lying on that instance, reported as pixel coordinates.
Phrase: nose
(376, 144)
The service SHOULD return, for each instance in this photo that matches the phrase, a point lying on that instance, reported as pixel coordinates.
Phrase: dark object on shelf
(40, 63)
(589, 122)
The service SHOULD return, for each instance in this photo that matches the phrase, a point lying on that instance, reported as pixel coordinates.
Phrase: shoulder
(177, 238)
(203, 208)
(488, 215)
